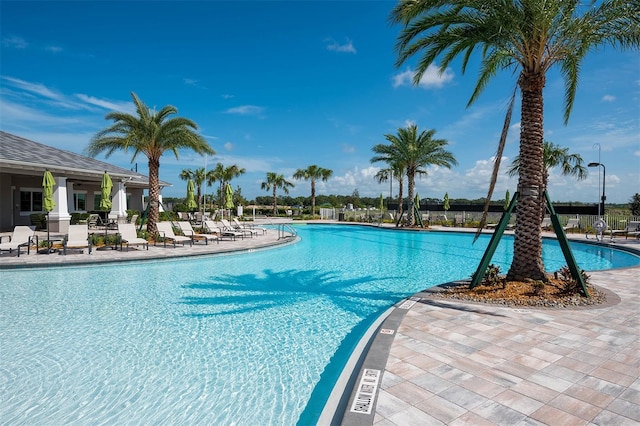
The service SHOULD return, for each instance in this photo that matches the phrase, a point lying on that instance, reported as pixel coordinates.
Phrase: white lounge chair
(252, 227)
(632, 228)
(214, 228)
(165, 230)
(229, 227)
(129, 236)
(22, 236)
(571, 225)
(77, 238)
(188, 231)
(546, 223)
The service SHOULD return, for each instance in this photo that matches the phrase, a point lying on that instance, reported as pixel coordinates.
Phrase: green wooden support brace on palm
(560, 234)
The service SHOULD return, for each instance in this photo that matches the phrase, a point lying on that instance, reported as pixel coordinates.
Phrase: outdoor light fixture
(604, 175)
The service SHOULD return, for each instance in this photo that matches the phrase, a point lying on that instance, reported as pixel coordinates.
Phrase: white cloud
(608, 98)
(15, 42)
(337, 47)
(432, 78)
(245, 110)
(228, 146)
(53, 49)
(108, 105)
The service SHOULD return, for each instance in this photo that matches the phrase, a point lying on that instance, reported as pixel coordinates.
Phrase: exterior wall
(11, 185)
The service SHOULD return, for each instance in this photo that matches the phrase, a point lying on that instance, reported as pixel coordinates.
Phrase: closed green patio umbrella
(228, 197)
(446, 205)
(48, 182)
(105, 196)
(191, 198)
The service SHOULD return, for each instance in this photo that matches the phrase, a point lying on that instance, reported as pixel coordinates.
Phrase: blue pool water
(241, 339)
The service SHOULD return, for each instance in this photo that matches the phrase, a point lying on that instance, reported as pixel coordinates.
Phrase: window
(96, 200)
(79, 201)
(30, 200)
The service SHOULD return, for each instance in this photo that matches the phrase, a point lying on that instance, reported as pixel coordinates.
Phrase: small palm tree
(414, 151)
(273, 182)
(150, 133)
(528, 38)
(198, 177)
(554, 156)
(394, 171)
(224, 175)
(313, 173)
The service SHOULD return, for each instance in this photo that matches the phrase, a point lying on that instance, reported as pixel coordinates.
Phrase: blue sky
(279, 85)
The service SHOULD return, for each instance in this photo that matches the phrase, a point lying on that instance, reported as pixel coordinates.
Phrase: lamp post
(604, 177)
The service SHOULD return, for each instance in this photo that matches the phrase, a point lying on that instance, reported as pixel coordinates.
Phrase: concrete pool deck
(446, 362)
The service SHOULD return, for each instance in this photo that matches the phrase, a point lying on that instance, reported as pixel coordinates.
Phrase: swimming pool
(242, 339)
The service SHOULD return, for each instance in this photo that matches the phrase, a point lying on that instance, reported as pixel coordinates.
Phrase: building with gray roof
(77, 190)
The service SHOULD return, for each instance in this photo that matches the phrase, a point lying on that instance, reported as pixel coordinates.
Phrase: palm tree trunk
(275, 202)
(154, 195)
(527, 251)
(400, 194)
(313, 198)
(412, 184)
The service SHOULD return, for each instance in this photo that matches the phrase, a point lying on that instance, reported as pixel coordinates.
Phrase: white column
(59, 217)
(160, 208)
(70, 205)
(119, 201)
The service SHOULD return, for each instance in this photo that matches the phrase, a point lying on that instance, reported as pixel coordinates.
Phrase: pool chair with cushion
(632, 228)
(129, 236)
(226, 226)
(188, 231)
(77, 238)
(240, 225)
(22, 236)
(213, 228)
(165, 231)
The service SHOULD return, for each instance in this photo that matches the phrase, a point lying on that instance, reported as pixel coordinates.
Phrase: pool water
(236, 339)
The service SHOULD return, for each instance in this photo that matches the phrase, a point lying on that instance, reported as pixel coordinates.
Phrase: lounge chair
(133, 219)
(237, 223)
(572, 224)
(632, 228)
(129, 236)
(77, 238)
(95, 222)
(213, 228)
(188, 231)
(245, 231)
(546, 223)
(22, 236)
(165, 230)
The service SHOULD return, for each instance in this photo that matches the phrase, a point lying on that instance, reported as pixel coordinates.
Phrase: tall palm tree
(150, 133)
(313, 173)
(224, 175)
(554, 156)
(273, 182)
(527, 37)
(394, 171)
(414, 151)
(198, 176)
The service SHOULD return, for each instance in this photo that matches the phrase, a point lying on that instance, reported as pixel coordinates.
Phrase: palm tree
(414, 151)
(223, 175)
(528, 37)
(554, 156)
(394, 171)
(150, 133)
(273, 182)
(198, 176)
(313, 173)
